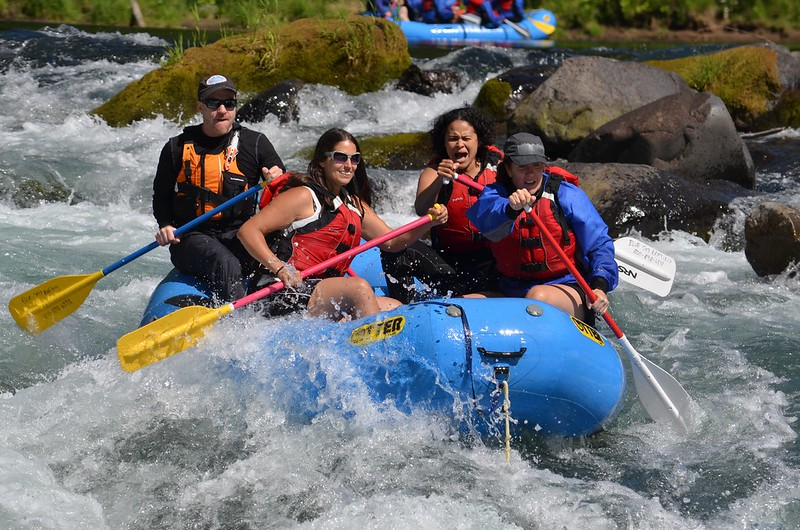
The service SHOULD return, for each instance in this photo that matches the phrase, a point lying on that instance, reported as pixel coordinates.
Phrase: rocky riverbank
(659, 145)
(715, 33)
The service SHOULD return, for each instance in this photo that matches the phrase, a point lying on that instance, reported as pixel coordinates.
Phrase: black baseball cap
(212, 84)
(524, 149)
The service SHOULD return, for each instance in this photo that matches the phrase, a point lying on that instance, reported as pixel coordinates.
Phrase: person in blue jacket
(485, 9)
(441, 11)
(494, 12)
(395, 9)
(513, 10)
(529, 266)
(379, 8)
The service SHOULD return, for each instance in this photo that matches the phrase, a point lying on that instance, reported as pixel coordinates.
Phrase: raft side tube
(564, 377)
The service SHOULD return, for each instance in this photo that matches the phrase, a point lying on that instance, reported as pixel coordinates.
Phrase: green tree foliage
(590, 15)
(242, 14)
(251, 14)
(674, 14)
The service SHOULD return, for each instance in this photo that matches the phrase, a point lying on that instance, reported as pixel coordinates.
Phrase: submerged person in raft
(315, 217)
(529, 266)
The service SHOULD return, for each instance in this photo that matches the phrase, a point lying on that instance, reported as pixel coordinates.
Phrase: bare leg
(385, 303)
(484, 294)
(337, 297)
(563, 297)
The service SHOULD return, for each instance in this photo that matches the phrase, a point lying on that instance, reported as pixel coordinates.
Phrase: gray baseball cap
(524, 149)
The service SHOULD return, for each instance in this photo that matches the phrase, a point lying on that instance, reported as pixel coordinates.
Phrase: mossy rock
(788, 110)
(746, 78)
(29, 192)
(493, 99)
(357, 54)
(397, 151)
(392, 151)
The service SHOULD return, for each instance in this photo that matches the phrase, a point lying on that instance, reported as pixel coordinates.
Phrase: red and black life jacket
(475, 6)
(525, 253)
(327, 233)
(504, 6)
(429, 6)
(207, 180)
(459, 235)
(273, 188)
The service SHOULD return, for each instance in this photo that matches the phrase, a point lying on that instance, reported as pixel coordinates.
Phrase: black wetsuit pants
(442, 273)
(219, 259)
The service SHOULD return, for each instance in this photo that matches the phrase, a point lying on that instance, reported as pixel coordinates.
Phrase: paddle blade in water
(39, 308)
(661, 395)
(182, 329)
(654, 405)
(167, 336)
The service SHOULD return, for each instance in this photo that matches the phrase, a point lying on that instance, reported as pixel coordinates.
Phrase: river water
(184, 444)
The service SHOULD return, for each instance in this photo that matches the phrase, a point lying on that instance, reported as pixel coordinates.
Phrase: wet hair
(483, 125)
(359, 186)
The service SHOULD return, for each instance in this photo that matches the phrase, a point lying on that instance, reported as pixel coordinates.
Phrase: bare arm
(281, 212)
(428, 188)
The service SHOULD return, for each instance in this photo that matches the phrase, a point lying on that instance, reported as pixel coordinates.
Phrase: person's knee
(539, 292)
(361, 286)
(386, 304)
(558, 296)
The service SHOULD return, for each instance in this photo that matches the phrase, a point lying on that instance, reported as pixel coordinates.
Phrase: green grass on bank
(235, 15)
(746, 15)
(209, 14)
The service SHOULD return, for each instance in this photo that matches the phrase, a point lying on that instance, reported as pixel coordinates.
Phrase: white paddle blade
(643, 266)
(471, 18)
(661, 395)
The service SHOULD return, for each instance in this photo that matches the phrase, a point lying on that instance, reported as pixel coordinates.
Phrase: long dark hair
(359, 186)
(483, 125)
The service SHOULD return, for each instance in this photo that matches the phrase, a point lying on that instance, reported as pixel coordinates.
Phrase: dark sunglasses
(341, 158)
(214, 104)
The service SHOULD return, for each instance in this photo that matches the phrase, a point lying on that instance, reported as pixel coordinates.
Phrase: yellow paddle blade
(39, 308)
(167, 336)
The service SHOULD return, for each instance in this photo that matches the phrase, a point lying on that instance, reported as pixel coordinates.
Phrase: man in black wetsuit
(201, 168)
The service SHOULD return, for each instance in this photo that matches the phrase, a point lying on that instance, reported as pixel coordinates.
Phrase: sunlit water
(204, 439)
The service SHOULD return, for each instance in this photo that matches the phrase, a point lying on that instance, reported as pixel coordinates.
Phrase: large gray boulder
(772, 238)
(649, 200)
(431, 81)
(689, 134)
(584, 94)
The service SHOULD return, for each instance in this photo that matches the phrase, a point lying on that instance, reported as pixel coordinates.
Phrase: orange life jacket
(211, 179)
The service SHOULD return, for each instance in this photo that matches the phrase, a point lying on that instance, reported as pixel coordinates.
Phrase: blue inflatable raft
(534, 31)
(444, 355)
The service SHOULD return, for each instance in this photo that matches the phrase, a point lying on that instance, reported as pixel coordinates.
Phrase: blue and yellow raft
(533, 31)
(563, 377)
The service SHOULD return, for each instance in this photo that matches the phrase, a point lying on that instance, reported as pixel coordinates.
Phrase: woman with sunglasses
(316, 216)
(201, 168)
